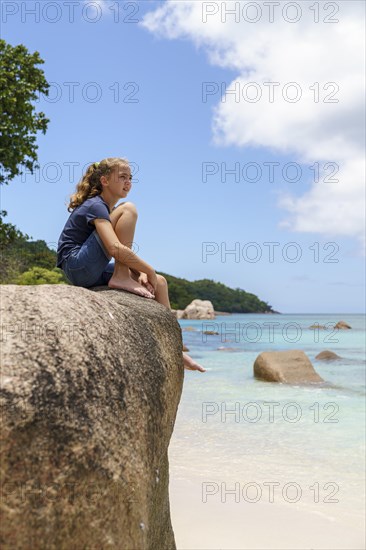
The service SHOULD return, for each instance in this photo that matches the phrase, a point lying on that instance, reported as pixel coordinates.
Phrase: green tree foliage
(20, 79)
(19, 255)
(223, 298)
(11, 239)
(9, 233)
(40, 276)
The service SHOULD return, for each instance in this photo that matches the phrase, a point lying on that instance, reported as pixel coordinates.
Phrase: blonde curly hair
(90, 184)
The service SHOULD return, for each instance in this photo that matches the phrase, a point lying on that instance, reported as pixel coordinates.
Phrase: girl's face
(119, 182)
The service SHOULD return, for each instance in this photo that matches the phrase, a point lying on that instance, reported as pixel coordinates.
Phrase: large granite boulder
(90, 385)
(288, 367)
(199, 309)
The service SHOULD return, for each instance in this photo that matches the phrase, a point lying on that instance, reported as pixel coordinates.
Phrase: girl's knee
(122, 209)
(161, 280)
(130, 207)
(125, 206)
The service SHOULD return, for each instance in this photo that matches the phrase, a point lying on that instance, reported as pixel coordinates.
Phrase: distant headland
(33, 262)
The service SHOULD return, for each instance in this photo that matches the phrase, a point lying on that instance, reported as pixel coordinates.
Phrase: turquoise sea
(301, 446)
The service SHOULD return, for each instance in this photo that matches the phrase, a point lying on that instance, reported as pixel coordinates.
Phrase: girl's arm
(121, 252)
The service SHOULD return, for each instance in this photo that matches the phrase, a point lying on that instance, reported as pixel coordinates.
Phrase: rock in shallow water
(342, 325)
(91, 383)
(288, 367)
(198, 309)
(327, 355)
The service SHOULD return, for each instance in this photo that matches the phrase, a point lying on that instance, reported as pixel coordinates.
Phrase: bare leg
(124, 222)
(162, 296)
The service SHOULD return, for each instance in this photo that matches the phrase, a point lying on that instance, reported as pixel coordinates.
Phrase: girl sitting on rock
(97, 231)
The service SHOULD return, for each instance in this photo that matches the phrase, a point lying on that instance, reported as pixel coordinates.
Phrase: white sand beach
(254, 526)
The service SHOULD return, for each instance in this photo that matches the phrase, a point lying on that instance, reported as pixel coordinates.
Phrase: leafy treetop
(20, 79)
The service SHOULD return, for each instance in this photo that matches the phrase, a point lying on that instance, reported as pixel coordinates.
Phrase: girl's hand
(152, 279)
(143, 280)
(191, 364)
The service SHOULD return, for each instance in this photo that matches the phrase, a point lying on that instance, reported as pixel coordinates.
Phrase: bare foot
(190, 364)
(129, 285)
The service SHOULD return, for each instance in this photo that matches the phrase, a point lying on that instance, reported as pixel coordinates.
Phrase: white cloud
(304, 52)
(101, 5)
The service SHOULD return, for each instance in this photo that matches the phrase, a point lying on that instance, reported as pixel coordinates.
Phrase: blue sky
(173, 136)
